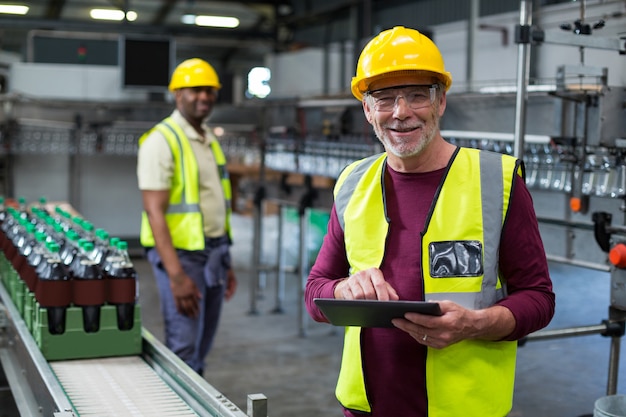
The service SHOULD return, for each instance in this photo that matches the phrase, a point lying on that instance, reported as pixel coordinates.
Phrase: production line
(115, 367)
(153, 382)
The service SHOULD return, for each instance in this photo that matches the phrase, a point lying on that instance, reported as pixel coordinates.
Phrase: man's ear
(442, 104)
(367, 110)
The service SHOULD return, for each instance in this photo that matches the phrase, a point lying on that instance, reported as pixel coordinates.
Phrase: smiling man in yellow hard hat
(185, 227)
(429, 221)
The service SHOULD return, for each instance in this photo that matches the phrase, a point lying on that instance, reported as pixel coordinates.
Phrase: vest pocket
(458, 258)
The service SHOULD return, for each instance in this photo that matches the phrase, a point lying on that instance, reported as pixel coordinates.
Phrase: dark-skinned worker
(185, 227)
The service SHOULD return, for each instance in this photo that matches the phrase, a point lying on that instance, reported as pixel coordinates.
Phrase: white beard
(408, 149)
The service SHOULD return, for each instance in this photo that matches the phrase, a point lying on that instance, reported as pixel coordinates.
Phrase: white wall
(105, 189)
(69, 82)
(300, 73)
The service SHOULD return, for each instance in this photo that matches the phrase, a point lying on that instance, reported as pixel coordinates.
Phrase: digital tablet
(371, 313)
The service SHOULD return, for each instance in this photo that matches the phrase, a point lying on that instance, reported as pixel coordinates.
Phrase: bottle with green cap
(34, 259)
(70, 248)
(43, 201)
(89, 289)
(121, 278)
(101, 245)
(3, 215)
(54, 290)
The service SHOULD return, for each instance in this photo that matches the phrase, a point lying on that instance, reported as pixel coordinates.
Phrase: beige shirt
(155, 169)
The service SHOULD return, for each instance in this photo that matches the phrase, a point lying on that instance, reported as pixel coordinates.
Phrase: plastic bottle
(63, 218)
(9, 228)
(24, 244)
(3, 216)
(111, 256)
(88, 287)
(36, 256)
(18, 236)
(70, 249)
(21, 204)
(87, 231)
(54, 290)
(101, 245)
(121, 278)
(42, 204)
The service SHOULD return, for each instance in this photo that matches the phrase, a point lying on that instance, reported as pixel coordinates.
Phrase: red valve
(617, 255)
(575, 204)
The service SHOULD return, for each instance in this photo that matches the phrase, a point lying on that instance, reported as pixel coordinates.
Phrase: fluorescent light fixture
(513, 89)
(112, 14)
(217, 21)
(188, 19)
(13, 9)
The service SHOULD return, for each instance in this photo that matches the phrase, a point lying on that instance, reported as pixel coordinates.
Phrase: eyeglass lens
(415, 96)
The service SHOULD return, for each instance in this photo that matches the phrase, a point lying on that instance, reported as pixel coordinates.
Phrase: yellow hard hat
(395, 51)
(194, 72)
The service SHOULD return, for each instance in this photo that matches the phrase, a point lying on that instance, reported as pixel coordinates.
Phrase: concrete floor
(267, 352)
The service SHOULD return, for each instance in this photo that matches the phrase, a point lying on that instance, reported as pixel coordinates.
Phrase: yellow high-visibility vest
(183, 216)
(472, 378)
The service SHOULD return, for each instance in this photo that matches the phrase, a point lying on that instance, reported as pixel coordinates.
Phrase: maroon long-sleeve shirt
(393, 362)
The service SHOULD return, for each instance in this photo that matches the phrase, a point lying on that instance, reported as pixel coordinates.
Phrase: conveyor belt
(155, 383)
(118, 386)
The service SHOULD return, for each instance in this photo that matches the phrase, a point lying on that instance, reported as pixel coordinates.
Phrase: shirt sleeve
(330, 266)
(155, 165)
(524, 266)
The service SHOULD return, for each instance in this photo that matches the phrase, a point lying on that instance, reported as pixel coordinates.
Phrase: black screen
(146, 63)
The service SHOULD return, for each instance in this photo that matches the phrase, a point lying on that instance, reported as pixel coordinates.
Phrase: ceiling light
(217, 21)
(112, 14)
(13, 9)
(188, 19)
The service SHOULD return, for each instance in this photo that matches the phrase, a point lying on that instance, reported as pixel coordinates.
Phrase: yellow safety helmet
(395, 51)
(194, 72)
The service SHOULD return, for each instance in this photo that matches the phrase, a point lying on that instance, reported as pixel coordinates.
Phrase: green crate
(12, 287)
(4, 269)
(29, 310)
(19, 290)
(75, 343)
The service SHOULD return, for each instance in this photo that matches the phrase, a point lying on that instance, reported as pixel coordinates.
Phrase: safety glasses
(415, 96)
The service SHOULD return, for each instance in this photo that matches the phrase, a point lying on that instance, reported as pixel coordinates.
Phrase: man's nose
(401, 106)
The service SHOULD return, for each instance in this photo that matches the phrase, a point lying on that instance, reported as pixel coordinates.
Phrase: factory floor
(295, 363)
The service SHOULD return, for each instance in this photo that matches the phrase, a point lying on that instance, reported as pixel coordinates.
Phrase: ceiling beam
(161, 15)
(54, 9)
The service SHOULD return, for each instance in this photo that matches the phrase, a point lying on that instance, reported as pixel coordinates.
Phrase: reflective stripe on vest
(452, 224)
(183, 215)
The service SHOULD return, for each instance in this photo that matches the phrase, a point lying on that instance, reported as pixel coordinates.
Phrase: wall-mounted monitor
(146, 62)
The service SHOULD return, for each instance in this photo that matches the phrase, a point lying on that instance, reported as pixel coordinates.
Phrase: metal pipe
(565, 223)
(574, 262)
(303, 256)
(257, 239)
(471, 43)
(523, 64)
(280, 262)
(567, 332)
(611, 387)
